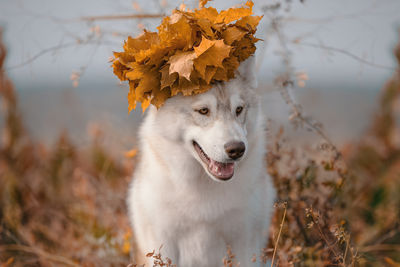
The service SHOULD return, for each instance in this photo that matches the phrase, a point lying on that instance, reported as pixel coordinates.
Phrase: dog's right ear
(247, 71)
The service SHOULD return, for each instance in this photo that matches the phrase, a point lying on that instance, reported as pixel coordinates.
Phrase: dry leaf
(182, 63)
(213, 56)
(233, 14)
(191, 51)
(131, 153)
(232, 34)
(202, 3)
(167, 80)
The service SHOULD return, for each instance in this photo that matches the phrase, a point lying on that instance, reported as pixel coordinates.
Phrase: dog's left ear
(247, 71)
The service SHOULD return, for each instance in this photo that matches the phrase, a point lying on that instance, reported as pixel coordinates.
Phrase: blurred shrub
(341, 209)
(64, 205)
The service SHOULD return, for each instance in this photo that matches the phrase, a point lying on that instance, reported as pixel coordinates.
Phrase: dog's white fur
(174, 202)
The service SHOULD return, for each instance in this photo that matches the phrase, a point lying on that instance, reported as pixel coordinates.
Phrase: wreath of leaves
(191, 51)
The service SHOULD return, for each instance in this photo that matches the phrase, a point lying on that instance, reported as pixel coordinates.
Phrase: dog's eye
(204, 111)
(239, 110)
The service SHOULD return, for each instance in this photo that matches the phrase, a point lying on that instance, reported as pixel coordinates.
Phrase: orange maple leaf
(190, 51)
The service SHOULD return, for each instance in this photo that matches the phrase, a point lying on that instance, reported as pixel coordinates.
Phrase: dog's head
(214, 126)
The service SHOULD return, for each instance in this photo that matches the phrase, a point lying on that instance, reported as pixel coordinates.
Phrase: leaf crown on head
(191, 51)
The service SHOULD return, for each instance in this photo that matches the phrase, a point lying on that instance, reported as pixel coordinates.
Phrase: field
(64, 205)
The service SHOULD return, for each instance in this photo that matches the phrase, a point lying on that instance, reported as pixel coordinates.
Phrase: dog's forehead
(231, 93)
(223, 93)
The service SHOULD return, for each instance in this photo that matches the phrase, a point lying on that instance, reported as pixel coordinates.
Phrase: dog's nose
(235, 149)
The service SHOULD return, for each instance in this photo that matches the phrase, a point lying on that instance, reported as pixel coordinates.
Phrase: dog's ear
(247, 71)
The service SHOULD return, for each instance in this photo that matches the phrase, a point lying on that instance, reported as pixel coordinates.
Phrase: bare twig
(286, 84)
(118, 17)
(381, 247)
(346, 53)
(345, 252)
(41, 253)
(279, 235)
(55, 48)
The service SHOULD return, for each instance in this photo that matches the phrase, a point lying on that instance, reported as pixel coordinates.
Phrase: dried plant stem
(53, 49)
(279, 235)
(345, 252)
(346, 53)
(323, 236)
(381, 247)
(51, 257)
(118, 17)
(285, 84)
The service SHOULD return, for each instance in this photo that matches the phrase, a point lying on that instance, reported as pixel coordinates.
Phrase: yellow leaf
(149, 81)
(182, 63)
(142, 42)
(213, 56)
(190, 51)
(232, 34)
(8, 262)
(160, 96)
(124, 57)
(209, 74)
(182, 7)
(166, 79)
(391, 262)
(245, 48)
(126, 247)
(131, 153)
(221, 75)
(185, 87)
(208, 13)
(202, 3)
(137, 71)
(206, 27)
(249, 23)
(176, 34)
(145, 104)
(204, 46)
(151, 56)
(131, 96)
(231, 64)
(120, 70)
(232, 14)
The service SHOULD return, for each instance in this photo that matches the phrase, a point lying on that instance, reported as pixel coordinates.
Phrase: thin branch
(52, 49)
(346, 53)
(285, 84)
(41, 253)
(345, 252)
(279, 235)
(381, 247)
(118, 17)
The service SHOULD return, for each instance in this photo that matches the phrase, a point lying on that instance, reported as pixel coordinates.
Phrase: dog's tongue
(221, 170)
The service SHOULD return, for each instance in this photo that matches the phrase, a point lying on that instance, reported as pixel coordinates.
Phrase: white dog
(201, 183)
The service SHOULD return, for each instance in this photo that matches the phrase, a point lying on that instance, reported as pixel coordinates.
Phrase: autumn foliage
(191, 51)
(64, 205)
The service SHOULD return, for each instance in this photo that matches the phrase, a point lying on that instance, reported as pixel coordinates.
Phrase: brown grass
(63, 205)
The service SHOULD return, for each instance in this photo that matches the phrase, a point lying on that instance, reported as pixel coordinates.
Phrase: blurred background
(59, 52)
(69, 144)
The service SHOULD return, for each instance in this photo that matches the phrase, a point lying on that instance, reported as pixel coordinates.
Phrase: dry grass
(64, 205)
(342, 209)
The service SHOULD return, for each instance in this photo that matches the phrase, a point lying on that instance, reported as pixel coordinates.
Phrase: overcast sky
(331, 35)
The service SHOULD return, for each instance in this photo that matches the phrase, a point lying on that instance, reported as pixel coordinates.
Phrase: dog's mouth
(220, 170)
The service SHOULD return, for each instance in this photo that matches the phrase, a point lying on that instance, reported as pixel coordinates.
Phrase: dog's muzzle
(220, 170)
